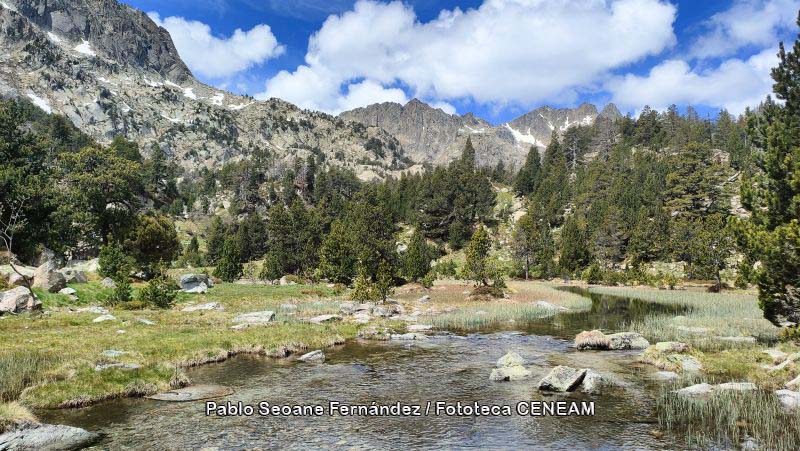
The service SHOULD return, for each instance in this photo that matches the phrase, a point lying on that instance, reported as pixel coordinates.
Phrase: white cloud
(759, 23)
(214, 57)
(734, 85)
(504, 52)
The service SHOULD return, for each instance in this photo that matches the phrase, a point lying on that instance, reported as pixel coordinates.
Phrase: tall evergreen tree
(525, 182)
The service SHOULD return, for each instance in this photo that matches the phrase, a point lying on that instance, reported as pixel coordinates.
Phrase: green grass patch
(21, 368)
(12, 413)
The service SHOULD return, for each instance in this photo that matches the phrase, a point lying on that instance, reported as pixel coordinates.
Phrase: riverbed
(450, 367)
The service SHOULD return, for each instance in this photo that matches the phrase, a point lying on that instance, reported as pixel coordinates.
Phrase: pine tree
(525, 182)
(574, 253)
(772, 235)
(416, 261)
(215, 238)
(229, 268)
(477, 253)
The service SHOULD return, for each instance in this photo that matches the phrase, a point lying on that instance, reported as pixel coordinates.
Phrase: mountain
(430, 135)
(111, 70)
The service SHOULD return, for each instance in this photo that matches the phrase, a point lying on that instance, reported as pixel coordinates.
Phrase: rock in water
(510, 373)
(46, 437)
(47, 277)
(627, 340)
(510, 359)
(18, 300)
(255, 317)
(593, 382)
(591, 339)
(193, 393)
(313, 356)
(562, 379)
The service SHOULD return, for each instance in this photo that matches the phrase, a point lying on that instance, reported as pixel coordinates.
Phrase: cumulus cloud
(758, 23)
(734, 85)
(504, 52)
(215, 57)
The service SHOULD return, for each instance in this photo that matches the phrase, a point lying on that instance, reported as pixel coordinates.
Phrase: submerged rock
(193, 393)
(206, 306)
(562, 379)
(46, 437)
(314, 356)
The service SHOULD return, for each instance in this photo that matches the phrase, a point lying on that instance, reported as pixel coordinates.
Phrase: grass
(178, 339)
(12, 413)
(454, 310)
(728, 418)
(728, 314)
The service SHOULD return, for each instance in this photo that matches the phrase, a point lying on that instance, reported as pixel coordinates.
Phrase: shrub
(428, 280)
(121, 294)
(272, 269)
(3, 282)
(447, 268)
(362, 288)
(229, 267)
(160, 292)
(488, 291)
(592, 274)
(114, 262)
(153, 242)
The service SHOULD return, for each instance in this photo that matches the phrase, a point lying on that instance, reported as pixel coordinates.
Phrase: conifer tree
(215, 238)
(477, 266)
(416, 261)
(574, 253)
(229, 268)
(525, 182)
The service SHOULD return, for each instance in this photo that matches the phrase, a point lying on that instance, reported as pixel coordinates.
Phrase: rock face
(46, 437)
(18, 300)
(195, 283)
(112, 71)
(562, 379)
(430, 135)
(47, 277)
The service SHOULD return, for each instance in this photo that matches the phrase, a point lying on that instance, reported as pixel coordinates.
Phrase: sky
(495, 58)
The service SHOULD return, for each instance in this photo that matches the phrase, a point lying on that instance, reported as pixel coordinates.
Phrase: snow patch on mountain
(524, 137)
(40, 102)
(85, 48)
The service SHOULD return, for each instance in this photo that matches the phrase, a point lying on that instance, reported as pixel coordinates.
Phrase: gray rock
(696, 391)
(362, 318)
(693, 330)
(735, 386)
(195, 283)
(510, 359)
(593, 382)
(285, 281)
(255, 317)
(46, 437)
(546, 305)
(364, 308)
(146, 321)
(419, 327)
(562, 379)
(383, 312)
(793, 384)
(74, 275)
(790, 359)
(424, 299)
(313, 356)
(776, 355)
(324, 319)
(117, 365)
(104, 318)
(347, 308)
(204, 307)
(289, 307)
(112, 353)
(510, 373)
(665, 376)
(627, 340)
(790, 400)
(68, 291)
(108, 282)
(93, 309)
(18, 300)
(193, 393)
(671, 347)
(47, 277)
(747, 340)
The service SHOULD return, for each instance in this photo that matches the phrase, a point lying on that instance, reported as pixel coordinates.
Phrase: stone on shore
(314, 356)
(46, 437)
(562, 379)
(203, 307)
(18, 300)
(790, 400)
(193, 393)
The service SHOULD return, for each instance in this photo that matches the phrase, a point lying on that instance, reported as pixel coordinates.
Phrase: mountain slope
(111, 70)
(432, 136)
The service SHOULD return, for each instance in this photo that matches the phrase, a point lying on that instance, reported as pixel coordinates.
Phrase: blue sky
(496, 58)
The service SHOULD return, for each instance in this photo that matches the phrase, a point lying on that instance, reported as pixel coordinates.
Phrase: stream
(451, 368)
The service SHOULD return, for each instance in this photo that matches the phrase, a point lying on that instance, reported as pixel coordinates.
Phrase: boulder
(695, 391)
(68, 291)
(362, 318)
(18, 300)
(46, 437)
(104, 318)
(735, 386)
(16, 280)
(47, 277)
(255, 317)
(92, 265)
(324, 319)
(73, 275)
(776, 355)
(201, 307)
(510, 373)
(108, 282)
(627, 340)
(347, 308)
(665, 376)
(364, 308)
(285, 281)
(591, 339)
(383, 312)
(313, 356)
(593, 382)
(562, 379)
(687, 363)
(510, 359)
(195, 283)
(790, 400)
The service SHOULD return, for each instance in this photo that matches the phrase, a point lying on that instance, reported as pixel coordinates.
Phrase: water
(448, 368)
